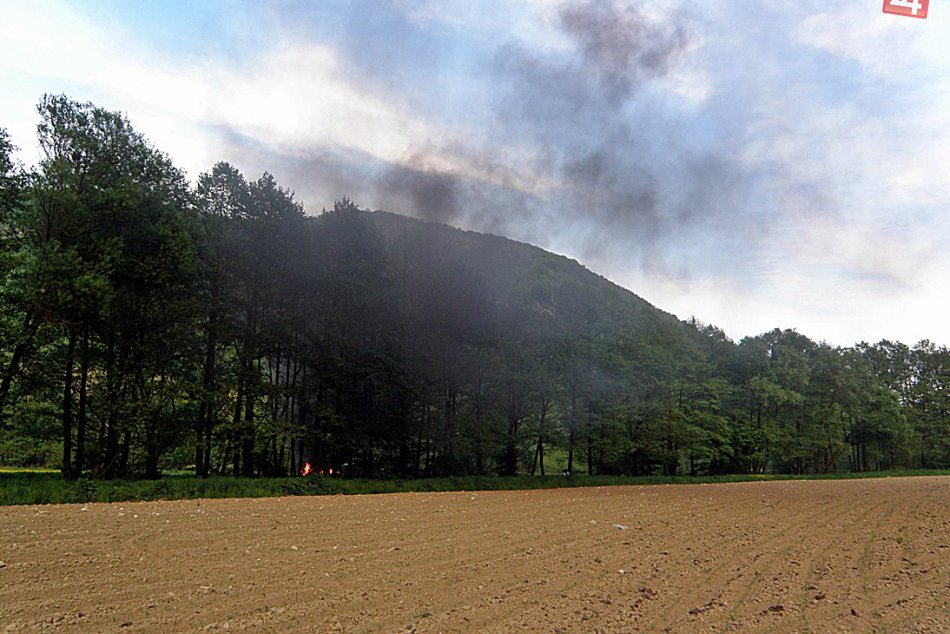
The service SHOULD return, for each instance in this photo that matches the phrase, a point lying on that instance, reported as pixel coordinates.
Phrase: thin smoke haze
(754, 165)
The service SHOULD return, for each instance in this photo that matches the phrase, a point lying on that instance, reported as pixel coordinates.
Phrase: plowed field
(816, 556)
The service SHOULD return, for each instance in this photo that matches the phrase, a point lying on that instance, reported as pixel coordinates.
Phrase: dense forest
(148, 323)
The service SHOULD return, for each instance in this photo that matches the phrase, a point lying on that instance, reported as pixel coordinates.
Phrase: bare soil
(815, 556)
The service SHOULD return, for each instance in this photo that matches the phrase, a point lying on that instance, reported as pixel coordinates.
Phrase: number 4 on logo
(910, 8)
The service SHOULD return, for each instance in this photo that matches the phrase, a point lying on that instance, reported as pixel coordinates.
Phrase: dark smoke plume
(431, 195)
(605, 164)
(619, 47)
(578, 112)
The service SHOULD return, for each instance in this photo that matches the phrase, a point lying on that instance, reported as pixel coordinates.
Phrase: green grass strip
(24, 487)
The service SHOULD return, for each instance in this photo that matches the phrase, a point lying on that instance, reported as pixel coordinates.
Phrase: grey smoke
(620, 48)
(622, 178)
(575, 110)
(430, 194)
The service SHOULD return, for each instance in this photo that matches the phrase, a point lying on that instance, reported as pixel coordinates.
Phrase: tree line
(148, 323)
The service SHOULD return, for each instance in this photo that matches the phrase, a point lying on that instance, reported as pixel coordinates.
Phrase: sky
(782, 164)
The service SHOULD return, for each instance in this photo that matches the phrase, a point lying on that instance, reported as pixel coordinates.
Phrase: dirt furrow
(847, 556)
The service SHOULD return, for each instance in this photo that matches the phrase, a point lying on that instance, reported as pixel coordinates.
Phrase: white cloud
(532, 23)
(906, 143)
(294, 96)
(850, 181)
(888, 46)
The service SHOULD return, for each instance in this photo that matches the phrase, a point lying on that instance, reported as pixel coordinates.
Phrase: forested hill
(147, 323)
(516, 286)
(489, 336)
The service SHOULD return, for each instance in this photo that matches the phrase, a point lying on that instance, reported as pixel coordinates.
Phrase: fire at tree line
(151, 324)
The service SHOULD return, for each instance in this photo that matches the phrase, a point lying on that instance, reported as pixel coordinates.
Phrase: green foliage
(149, 325)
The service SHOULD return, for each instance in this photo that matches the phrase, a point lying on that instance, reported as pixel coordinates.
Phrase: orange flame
(306, 469)
(331, 470)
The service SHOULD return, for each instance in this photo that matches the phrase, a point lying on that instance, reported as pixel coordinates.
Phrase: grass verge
(22, 487)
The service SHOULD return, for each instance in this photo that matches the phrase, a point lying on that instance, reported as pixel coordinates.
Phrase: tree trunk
(124, 456)
(539, 450)
(67, 468)
(81, 422)
(274, 456)
(534, 458)
(224, 458)
(590, 454)
(208, 429)
(545, 403)
(250, 385)
(206, 407)
(19, 352)
(200, 440)
(236, 424)
(417, 459)
(109, 457)
(281, 458)
(541, 454)
(510, 462)
(151, 452)
(237, 457)
(571, 436)
(247, 444)
(602, 444)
